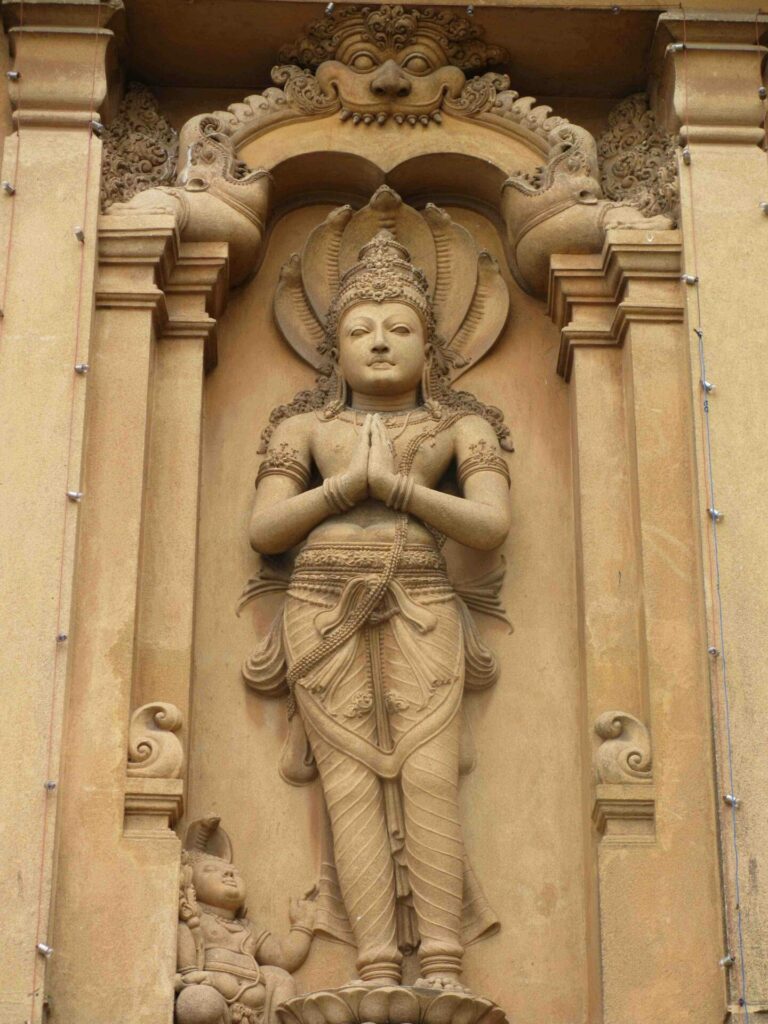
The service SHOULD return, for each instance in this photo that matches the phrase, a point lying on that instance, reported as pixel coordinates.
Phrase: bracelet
(333, 492)
(302, 928)
(401, 492)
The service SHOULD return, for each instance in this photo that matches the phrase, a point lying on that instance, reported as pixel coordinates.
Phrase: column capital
(63, 54)
(197, 292)
(137, 256)
(706, 70)
(594, 298)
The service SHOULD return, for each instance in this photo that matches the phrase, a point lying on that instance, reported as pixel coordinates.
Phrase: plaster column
(117, 886)
(656, 903)
(196, 293)
(104, 891)
(708, 74)
(52, 161)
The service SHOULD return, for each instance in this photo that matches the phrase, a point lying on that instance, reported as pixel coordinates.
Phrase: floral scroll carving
(140, 148)
(154, 749)
(637, 159)
(625, 753)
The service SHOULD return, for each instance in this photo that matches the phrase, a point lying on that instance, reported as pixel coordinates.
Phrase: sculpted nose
(390, 82)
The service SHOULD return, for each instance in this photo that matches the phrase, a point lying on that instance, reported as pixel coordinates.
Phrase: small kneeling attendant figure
(230, 970)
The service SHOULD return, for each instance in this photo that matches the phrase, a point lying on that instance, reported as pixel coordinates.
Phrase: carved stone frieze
(154, 749)
(637, 159)
(140, 148)
(625, 753)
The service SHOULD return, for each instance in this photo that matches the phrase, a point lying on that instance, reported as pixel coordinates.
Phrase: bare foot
(441, 982)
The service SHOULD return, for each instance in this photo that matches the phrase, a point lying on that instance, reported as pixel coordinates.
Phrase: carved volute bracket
(623, 810)
(153, 791)
(625, 752)
(154, 749)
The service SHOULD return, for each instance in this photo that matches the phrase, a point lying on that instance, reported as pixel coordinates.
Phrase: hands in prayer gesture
(371, 470)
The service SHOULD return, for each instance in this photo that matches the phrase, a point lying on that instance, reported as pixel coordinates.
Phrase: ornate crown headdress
(384, 272)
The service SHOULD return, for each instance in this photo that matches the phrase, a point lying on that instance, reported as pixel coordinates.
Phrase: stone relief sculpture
(625, 752)
(370, 66)
(230, 970)
(374, 646)
(140, 148)
(637, 159)
(154, 749)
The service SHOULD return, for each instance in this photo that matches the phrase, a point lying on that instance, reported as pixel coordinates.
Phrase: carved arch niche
(414, 101)
(500, 165)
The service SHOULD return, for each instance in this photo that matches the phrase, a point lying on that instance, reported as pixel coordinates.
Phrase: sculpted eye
(401, 329)
(358, 332)
(363, 62)
(416, 64)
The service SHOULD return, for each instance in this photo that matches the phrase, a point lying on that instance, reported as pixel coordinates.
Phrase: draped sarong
(381, 713)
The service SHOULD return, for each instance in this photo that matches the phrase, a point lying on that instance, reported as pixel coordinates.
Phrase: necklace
(232, 924)
(391, 420)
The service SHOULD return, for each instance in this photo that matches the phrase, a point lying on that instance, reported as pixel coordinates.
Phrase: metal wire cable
(717, 647)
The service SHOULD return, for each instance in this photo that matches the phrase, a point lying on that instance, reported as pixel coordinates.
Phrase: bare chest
(426, 457)
(236, 935)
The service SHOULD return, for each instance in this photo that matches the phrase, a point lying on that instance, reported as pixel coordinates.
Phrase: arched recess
(340, 176)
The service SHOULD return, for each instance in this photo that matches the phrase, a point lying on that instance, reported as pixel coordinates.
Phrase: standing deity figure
(374, 645)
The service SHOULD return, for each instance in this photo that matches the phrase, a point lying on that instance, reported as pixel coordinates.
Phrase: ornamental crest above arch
(398, 87)
(371, 66)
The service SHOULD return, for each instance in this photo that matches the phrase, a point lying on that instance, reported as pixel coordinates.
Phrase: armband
(483, 459)
(284, 461)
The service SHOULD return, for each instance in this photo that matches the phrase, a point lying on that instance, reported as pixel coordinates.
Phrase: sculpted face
(218, 883)
(381, 348)
(382, 81)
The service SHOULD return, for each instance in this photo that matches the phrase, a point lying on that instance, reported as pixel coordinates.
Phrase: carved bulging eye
(401, 329)
(417, 64)
(363, 61)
